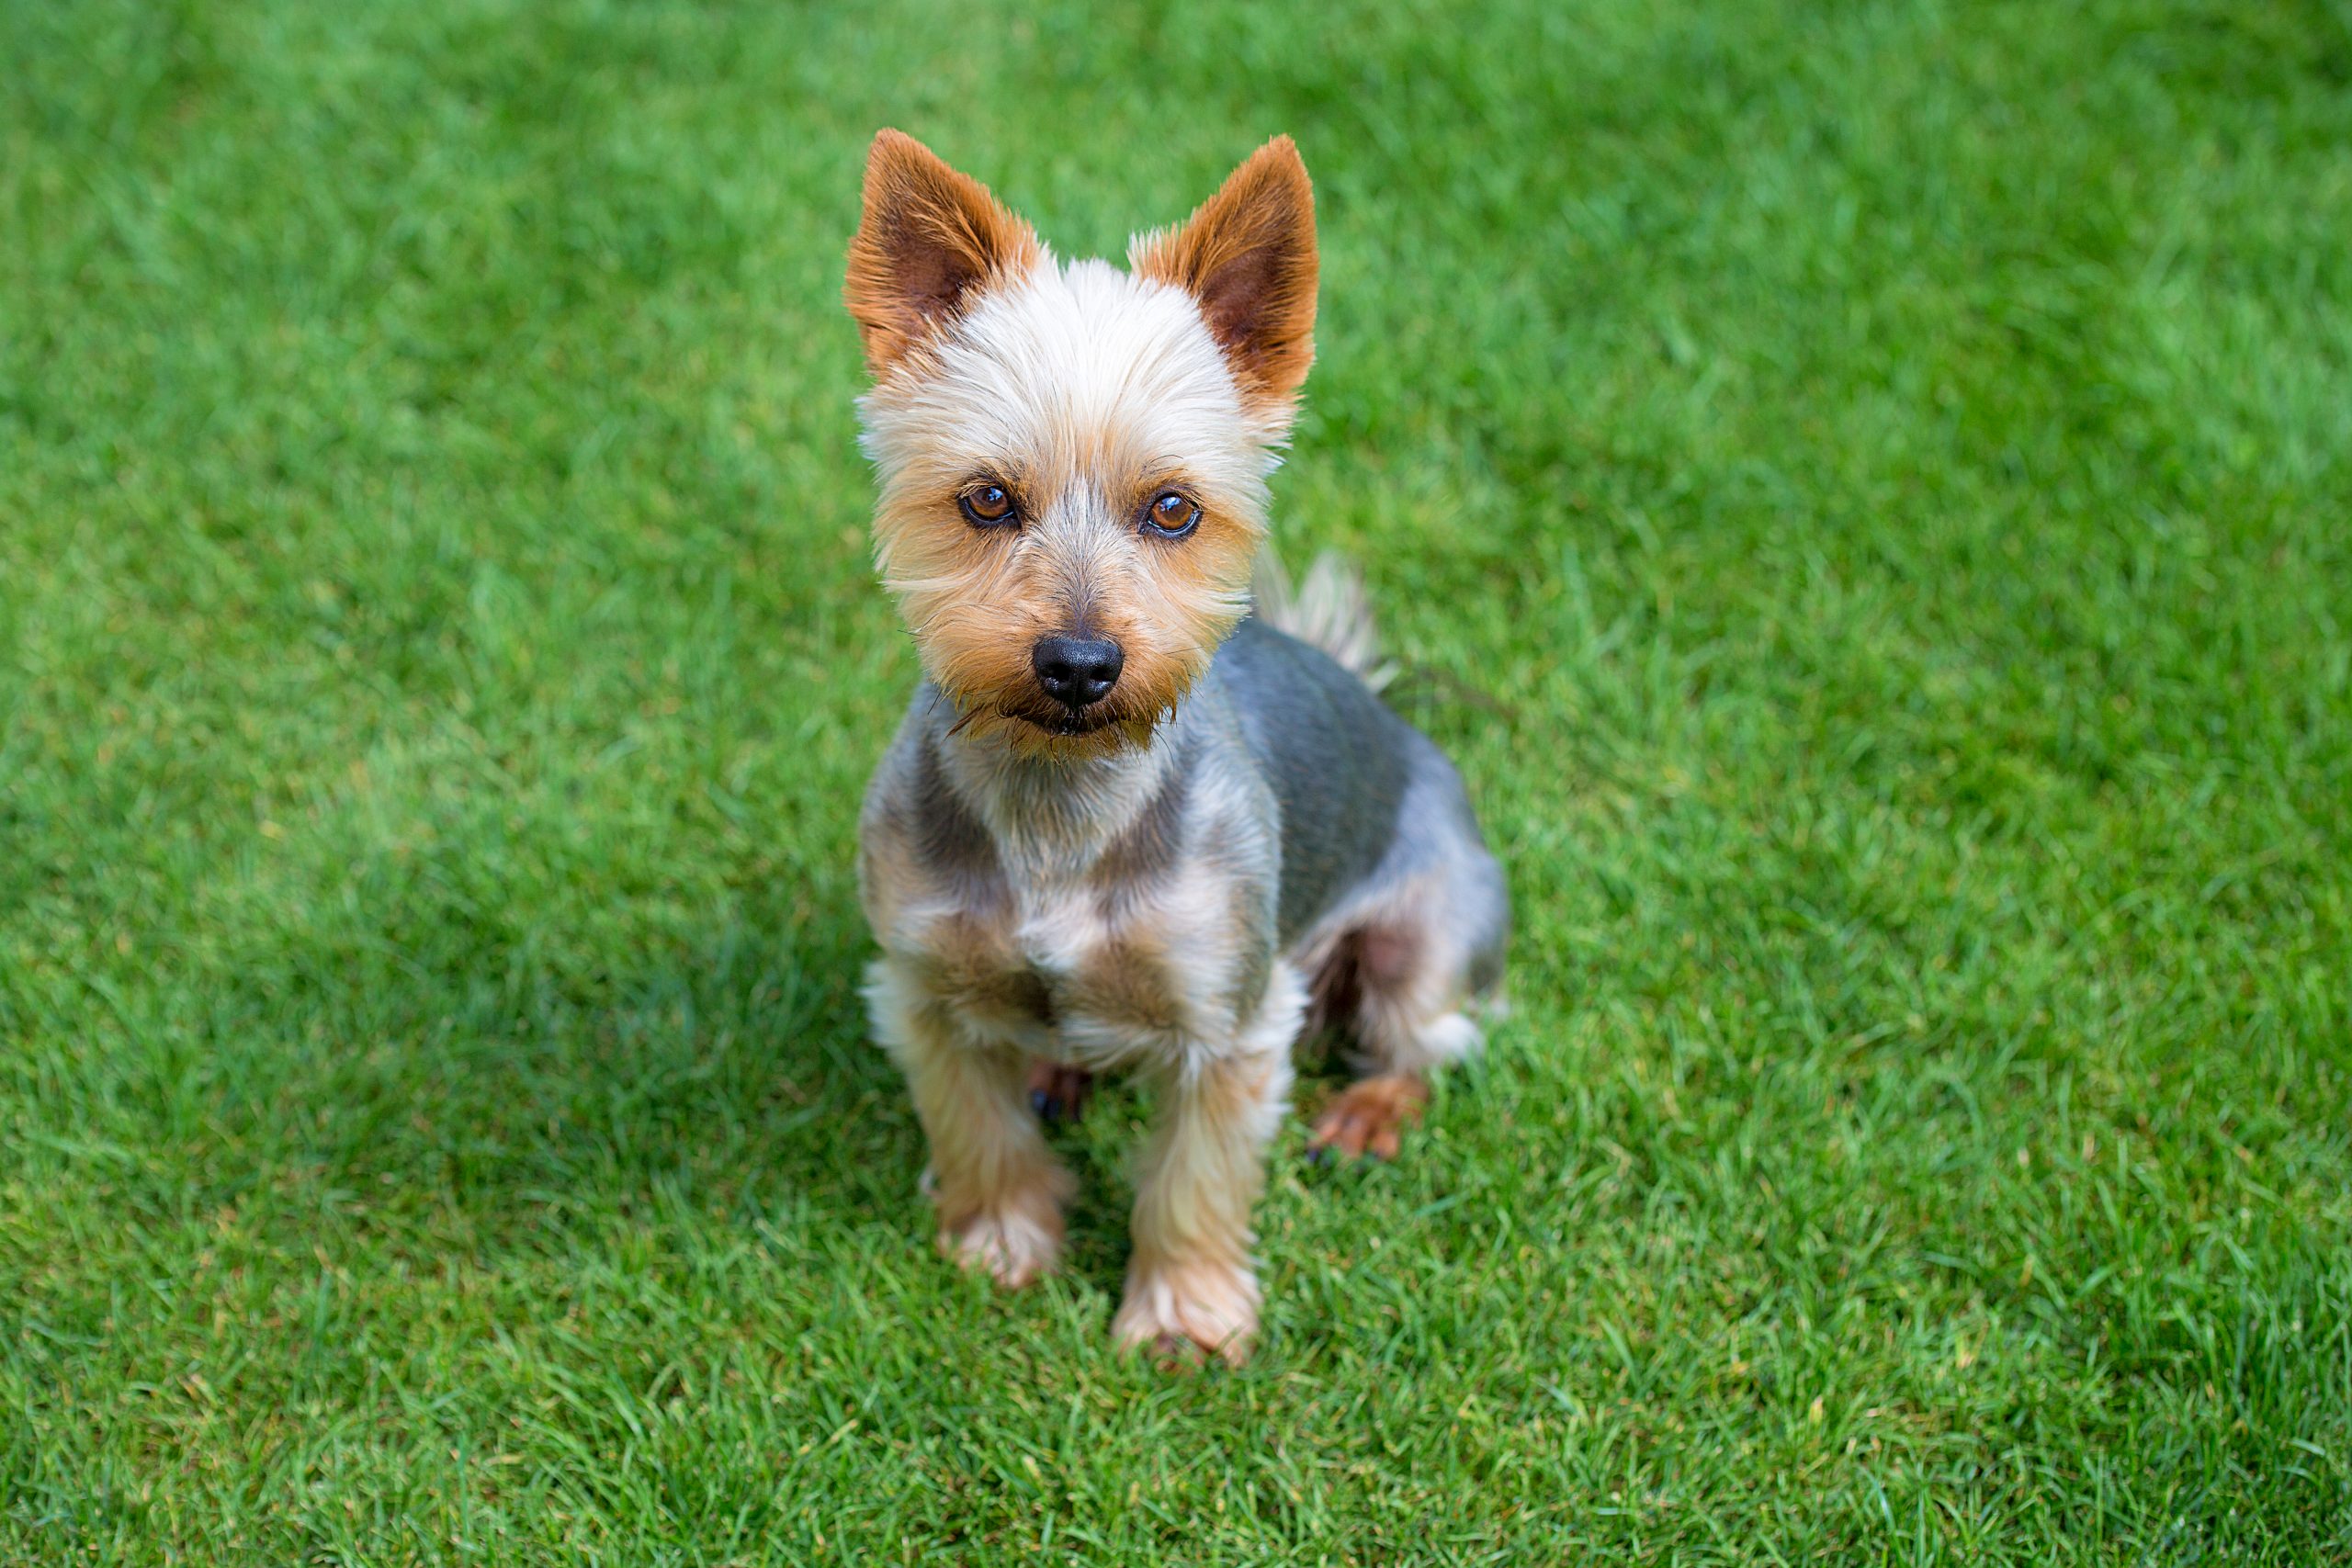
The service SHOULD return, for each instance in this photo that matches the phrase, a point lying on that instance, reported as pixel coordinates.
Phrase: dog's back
(1385, 873)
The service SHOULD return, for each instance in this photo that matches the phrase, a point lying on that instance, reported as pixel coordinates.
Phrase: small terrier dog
(1125, 824)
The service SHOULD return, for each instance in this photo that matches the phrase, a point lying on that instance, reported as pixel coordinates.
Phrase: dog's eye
(1171, 514)
(987, 505)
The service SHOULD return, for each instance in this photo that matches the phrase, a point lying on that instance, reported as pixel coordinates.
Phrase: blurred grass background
(1883, 466)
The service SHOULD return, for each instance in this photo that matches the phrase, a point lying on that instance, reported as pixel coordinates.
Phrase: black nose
(1077, 670)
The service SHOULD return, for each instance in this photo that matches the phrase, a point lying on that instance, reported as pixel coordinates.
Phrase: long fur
(1168, 878)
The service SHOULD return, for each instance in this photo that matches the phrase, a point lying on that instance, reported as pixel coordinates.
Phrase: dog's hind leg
(1057, 1092)
(1407, 972)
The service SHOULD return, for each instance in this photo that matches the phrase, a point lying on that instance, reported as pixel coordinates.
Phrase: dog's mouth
(1121, 717)
(1051, 721)
(1065, 724)
(1108, 720)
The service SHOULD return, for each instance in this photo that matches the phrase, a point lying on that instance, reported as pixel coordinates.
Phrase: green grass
(1887, 470)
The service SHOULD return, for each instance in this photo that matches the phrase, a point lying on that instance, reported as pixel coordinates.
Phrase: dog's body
(1122, 826)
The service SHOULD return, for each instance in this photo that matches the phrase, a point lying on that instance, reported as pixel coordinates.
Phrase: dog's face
(1072, 458)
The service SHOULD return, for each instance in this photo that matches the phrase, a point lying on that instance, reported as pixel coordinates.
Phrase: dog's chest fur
(1085, 920)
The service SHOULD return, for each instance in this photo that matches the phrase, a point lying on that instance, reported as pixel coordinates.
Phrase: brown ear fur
(1248, 255)
(929, 238)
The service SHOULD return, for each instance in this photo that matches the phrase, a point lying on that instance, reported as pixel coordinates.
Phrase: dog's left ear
(1248, 255)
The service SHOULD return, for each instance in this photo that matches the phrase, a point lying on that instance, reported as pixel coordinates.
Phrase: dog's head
(1073, 458)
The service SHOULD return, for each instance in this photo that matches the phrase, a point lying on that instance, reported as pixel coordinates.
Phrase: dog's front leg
(1190, 1281)
(995, 1186)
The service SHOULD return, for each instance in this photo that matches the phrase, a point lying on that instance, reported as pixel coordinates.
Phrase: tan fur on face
(1084, 392)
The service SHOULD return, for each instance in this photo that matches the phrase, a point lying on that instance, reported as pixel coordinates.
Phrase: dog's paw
(1369, 1117)
(1016, 1240)
(1057, 1093)
(1180, 1312)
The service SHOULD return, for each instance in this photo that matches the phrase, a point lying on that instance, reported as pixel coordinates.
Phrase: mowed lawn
(1864, 491)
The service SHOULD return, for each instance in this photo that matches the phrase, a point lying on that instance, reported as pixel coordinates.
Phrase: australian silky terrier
(1127, 823)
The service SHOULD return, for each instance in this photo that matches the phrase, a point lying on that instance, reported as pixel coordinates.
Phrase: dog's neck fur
(1057, 806)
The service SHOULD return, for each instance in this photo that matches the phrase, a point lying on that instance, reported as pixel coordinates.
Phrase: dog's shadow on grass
(444, 1079)
(465, 1087)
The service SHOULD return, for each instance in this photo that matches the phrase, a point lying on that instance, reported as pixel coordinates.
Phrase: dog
(1126, 824)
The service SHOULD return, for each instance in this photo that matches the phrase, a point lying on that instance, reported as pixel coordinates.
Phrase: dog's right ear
(930, 238)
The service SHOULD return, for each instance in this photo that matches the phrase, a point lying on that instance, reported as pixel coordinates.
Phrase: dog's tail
(1327, 609)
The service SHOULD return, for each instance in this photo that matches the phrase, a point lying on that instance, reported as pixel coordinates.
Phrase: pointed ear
(930, 238)
(1248, 255)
